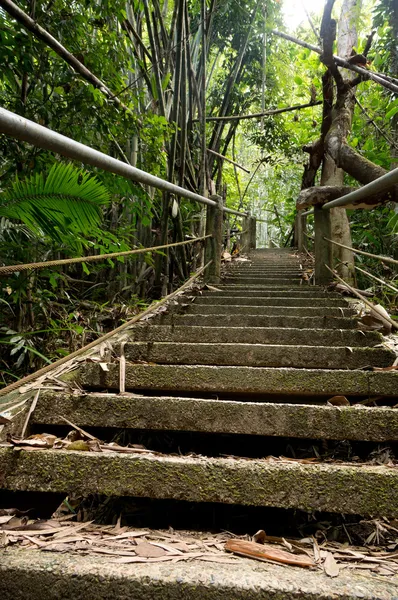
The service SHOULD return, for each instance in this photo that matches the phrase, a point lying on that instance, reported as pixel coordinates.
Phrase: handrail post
(323, 249)
(299, 228)
(252, 233)
(213, 247)
(244, 238)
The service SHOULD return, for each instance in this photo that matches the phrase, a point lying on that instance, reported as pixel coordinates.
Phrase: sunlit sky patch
(294, 12)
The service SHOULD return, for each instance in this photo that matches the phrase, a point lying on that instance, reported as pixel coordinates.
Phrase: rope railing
(380, 315)
(83, 259)
(61, 361)
(25, 130)
(355, 251)
(394, 289)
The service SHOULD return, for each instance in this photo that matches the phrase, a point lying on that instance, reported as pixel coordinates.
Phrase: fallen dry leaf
(259, 537)
(147, 550)
(265, 552)
(330, 565)
(339, 401)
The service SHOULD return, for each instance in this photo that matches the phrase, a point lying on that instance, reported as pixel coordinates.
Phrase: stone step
(291, 311)
(302, 286)
(253, 320)
(254, 292)
(242, 380)
(261, 278)
(272, 301)
(258, 355)
(296, 271)
(167, 413)
(253, 335)
(275, 281)
(328, 487)
(26, 573)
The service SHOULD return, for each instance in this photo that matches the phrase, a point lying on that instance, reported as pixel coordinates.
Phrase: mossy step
(258, 355)
(364, 490)
(253, 335)
(273, 301)
(275, 281)
(296, 271)
(258, 320)
(271, 310)
(202, 415)
(259, 278)
(254, 292)
(255, 380)
(26, 572)
(302, 286)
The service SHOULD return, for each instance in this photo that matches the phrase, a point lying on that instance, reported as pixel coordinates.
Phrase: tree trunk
(340, 128)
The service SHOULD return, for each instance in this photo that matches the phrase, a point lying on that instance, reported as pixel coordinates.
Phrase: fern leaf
(67, 201)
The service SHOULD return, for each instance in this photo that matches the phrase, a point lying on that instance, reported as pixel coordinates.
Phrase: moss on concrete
(258, 355)
(365, 490)
(260, 320)
(273, 301)
(311, 382)
(219, 416)
(254, 335)
(291, 311)
(24, 574)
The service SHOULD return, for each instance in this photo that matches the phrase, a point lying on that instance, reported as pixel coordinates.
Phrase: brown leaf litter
(125, 545)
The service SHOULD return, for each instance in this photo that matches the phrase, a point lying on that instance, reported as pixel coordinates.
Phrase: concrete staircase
(258, 355)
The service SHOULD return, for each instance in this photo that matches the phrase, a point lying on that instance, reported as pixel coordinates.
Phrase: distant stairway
(242, 371)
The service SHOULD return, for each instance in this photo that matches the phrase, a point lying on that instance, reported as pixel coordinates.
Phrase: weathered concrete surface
(258, 355)
(273, 301)
(25, 574)
(302, 286)
(253, 320)
(219, 416)
(292, 311)
(258, 380)
(253, 335)
(365, 490)
(297, 292)
(262, 280)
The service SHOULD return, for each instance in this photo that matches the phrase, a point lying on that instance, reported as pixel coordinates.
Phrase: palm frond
(67, 201)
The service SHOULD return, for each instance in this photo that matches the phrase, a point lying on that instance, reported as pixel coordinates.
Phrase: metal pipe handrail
(28, 131)
(378, 185)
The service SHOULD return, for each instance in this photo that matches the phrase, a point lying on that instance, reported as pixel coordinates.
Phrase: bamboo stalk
(43, 35)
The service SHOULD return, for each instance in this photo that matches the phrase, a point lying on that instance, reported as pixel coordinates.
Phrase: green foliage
(68, 201)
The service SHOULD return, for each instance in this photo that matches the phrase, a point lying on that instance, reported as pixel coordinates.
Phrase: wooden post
(299, 231)
(252, 233)
(213, 247)
(323, 249)
(244, 238)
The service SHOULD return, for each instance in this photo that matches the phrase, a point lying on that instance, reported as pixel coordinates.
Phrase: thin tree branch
(375, 125)
(43, 35)
(228, 160)
(276, 111)
(379, 78)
